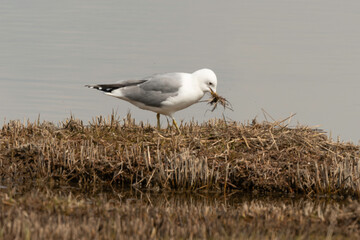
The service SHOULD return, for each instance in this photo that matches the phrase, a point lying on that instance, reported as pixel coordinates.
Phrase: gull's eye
(210, 83)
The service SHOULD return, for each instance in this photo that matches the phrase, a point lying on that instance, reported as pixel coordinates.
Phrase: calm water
(285, 57)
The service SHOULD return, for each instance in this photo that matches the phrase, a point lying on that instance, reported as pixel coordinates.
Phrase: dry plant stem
(158, 120)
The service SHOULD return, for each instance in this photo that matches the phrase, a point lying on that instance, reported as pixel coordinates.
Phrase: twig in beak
(218, 99)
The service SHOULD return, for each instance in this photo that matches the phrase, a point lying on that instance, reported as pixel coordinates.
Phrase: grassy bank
(214, 156)
(66, 181)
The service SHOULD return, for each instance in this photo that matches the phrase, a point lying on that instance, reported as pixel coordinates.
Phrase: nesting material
(219, 99)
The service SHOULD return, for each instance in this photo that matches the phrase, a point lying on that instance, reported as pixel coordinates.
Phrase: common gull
(164, 93)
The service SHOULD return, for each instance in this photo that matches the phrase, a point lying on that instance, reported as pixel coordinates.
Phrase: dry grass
(63, 214)
(40, 162)
(214, 156)
(216, 99)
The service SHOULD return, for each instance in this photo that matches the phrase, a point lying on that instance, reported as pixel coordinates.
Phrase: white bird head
(207, 79)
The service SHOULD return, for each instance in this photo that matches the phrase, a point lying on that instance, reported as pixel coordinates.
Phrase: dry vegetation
(216, 99)
(214, 156)
(40, 162)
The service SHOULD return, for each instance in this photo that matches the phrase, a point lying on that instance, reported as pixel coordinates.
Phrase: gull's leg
(158, 120)
(177, 127)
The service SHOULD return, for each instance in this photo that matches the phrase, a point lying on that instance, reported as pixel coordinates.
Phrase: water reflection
(174, 198)
(104, 213)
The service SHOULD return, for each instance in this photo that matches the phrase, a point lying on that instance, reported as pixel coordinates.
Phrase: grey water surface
(284, 57)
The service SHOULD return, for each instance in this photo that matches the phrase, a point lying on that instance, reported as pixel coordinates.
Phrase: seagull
(164, 93)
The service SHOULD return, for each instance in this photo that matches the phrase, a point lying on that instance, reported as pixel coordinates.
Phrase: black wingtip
(93, 86)
(103, 87)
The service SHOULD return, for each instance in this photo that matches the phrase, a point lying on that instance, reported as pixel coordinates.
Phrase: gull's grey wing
(155, 89)
(165, 83)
